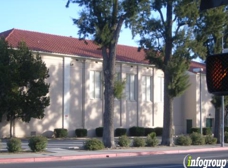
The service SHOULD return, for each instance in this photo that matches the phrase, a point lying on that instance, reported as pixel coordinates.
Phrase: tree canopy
(102, 21)
(23, 92)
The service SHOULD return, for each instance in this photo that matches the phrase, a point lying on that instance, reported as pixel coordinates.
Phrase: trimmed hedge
(94, 144)
(81, 132)
(151, 139)
(158, 131)
(60, 132)
(226, 137)
(14, 145)
(139, 142)
(207, 131)
(137, 131)
(124, 141)
(197, 139)
(148, 131)
(183, 140)
(37, 143)
(209, 139)
(120, 131)
(99, 131)
(195, 130)
(225, 129)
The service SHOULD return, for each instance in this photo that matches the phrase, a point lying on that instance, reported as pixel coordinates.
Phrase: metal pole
(222, 123)
(201, 130)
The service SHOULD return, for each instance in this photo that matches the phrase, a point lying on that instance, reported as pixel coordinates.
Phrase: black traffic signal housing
(217, 74)
(208, 4)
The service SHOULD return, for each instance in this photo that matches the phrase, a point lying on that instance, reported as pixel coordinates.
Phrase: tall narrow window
(130, 87)
(146, 88)
(95, 84)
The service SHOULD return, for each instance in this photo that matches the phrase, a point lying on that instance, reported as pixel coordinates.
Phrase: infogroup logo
(188, 161)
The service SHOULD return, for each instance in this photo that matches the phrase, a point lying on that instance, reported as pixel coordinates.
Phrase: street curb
(108, 155)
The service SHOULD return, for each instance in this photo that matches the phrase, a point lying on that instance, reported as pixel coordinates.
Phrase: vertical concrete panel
(75, 115)
(93, 107)
(66, 88)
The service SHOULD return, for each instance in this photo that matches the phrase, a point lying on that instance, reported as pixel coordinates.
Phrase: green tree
(169, 40)
(103, 21)
(210, 29)
(23, 93)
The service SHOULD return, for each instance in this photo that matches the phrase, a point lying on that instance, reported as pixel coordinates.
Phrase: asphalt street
(154, 161)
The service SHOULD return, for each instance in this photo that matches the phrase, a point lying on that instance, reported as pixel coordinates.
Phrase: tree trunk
(167, 135)
(11, 126)
(217, 130)
(108, 127)
(109, 63)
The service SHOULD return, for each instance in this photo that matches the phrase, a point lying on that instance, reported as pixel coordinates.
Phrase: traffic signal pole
(222, 123)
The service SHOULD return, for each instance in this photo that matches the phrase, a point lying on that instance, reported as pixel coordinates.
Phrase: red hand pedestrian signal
(217, 74)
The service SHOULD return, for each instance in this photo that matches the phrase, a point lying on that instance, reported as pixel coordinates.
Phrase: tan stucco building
(76, 89)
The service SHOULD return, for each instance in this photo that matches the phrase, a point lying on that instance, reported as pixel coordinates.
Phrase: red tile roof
(67, 45)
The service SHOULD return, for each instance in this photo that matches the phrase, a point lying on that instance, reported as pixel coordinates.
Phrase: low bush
(94, 144)
(207, 131)
(137, 131)
(139, 142)
(158, 131)
(81, 132)
(183, 140)
(225, 129)
(99, 131)
(195, 130)
(209, 139)
(14, 145)
(37, 143)
(120, 131)
(124, 141)
(226, 137)
(60, 132)
(197, 139)
(148, 131)
(151, 139)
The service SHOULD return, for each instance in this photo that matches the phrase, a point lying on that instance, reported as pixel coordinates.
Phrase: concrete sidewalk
(59, 154)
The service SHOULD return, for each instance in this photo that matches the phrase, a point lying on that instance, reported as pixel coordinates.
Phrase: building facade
(76, 89)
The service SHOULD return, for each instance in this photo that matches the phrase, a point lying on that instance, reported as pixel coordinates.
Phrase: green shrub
(81, 132)
(124, 141)
(209, 139)
(148, 131)
(37, 143)
(120, 131)
(158, 131)
(226, 137)
(94, 144)
(225, 129)
(139, 142)
(183, 140)
(207, 131)
(60, 132)
(197, 139)
(99, 131)
(195, 130)
(137, 131)
(151, 139)
(14, 145)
